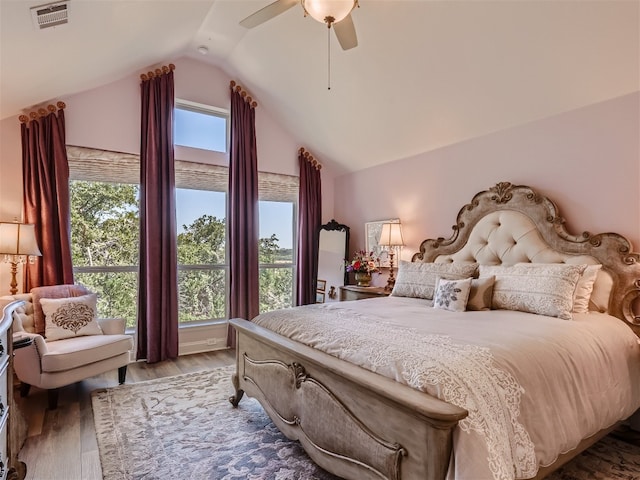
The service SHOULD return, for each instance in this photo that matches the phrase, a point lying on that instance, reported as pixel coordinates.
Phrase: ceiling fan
(334, 13)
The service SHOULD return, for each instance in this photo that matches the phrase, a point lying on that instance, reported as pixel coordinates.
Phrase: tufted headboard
(510, 224)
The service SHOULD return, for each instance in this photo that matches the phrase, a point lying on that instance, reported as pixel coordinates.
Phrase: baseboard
(202, 338)
(208, 345)
(199, 338)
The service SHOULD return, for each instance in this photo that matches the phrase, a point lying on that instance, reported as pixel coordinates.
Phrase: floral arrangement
(363, 262)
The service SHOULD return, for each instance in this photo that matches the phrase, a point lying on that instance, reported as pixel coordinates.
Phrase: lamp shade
(320, 10)
(18, 239)
(391, 235)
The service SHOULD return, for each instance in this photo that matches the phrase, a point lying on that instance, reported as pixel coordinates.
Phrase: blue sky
(208, 131)
(275, 217)
(198, 130)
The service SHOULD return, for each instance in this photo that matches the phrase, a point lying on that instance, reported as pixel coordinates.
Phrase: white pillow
(418, 279)
(452, 294)
(543, 289)
(585, 288)
(70, 317)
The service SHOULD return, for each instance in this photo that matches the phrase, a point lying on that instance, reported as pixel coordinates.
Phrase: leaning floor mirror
(332, 252)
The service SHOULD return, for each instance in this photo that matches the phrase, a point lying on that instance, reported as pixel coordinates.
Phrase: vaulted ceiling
(425, 74)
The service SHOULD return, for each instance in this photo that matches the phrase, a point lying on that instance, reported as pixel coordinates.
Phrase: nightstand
(353, 292)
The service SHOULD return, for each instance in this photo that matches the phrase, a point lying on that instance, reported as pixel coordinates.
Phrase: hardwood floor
(61, 444)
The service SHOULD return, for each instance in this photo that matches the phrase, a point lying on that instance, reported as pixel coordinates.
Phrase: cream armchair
(53, 364)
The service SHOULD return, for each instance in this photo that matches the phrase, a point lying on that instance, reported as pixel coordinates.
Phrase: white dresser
(10, 467)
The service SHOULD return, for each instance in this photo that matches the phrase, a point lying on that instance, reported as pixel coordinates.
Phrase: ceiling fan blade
(267, 13)
(346, 33)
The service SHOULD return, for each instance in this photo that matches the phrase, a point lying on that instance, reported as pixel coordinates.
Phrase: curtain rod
(238, 89)
(41, 112)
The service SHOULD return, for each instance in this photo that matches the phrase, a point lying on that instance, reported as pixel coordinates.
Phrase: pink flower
(363, 262)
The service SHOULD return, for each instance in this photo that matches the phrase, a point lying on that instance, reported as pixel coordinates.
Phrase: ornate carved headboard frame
(612, 250)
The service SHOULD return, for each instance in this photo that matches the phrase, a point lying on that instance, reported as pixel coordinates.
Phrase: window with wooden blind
(104, 189)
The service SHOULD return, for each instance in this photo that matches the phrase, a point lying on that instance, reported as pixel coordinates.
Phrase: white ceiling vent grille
(50, 15)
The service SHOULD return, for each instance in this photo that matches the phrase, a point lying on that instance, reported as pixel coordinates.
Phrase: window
(105, 229)
(201, 215)
(202, 260)
(276, 254)
(200, 126)
(278, 197)
(105, 234)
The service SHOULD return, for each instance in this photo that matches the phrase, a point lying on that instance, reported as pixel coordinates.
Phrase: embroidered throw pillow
(481, 293)
(70, 317)
(584, 287)
(51, 291)
(418, 280)
(452, 294)
(543, 289)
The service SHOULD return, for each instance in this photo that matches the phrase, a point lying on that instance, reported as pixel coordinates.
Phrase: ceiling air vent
(50, 15)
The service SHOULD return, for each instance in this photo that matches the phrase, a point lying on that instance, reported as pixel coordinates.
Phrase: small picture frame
(372, 237)
(319, 297)
(321, 286)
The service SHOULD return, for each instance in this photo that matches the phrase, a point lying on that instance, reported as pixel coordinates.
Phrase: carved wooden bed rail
(370, 427)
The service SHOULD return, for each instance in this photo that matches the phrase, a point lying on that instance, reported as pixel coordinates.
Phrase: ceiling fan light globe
(321, 9)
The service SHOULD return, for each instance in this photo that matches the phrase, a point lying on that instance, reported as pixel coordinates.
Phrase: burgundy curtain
(309, 222)
(45, 174)
(243, 210)
(158, 276)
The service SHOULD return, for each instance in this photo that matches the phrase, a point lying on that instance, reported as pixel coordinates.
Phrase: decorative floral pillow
(51, 291)
(70, 317)
(543, 289)
(481, 293)
(452, 294)
(418, 280)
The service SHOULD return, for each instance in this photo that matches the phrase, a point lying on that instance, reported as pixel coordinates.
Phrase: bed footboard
(352, 422)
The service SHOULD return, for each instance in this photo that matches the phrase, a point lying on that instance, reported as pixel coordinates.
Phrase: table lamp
(17, 244)
(391, 237)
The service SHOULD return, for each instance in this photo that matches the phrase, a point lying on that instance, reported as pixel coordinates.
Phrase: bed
(502, 352)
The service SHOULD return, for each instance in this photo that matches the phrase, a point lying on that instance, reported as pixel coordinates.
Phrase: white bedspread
(534, 386)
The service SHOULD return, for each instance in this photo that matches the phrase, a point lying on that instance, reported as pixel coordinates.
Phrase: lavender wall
(10, 170)
(587, 161)
(109, 117)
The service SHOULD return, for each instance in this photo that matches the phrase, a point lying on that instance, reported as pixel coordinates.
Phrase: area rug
(184, 427)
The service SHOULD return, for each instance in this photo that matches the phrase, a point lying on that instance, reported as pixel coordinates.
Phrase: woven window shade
(95, 165)
(102, 165)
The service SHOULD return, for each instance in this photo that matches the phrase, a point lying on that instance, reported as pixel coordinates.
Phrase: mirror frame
(335, 226)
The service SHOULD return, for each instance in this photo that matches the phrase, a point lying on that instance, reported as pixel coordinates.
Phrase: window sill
(203, 323)
(190, 325)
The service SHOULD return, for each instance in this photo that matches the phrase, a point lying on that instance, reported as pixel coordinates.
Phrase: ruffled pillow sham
(418, 280)
(584, 287)
(543, 289)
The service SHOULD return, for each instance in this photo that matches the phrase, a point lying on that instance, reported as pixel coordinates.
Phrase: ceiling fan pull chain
(329, 57)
